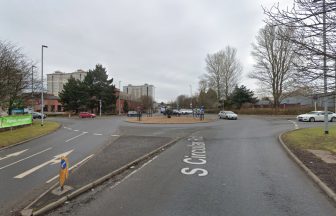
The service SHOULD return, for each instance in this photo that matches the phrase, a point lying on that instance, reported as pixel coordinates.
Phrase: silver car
(227, 115)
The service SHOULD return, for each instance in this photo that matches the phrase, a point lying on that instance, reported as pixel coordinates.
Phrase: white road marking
(97, 134)
(76, 136)
(129, 175)
(75, 130)
(13, 154)
(68, 128)
(55, 160)
(115, 135)
(71, 168)
(25, 158)
(295, 124)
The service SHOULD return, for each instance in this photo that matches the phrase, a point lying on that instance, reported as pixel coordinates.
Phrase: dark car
(37, 115)
(86, 115)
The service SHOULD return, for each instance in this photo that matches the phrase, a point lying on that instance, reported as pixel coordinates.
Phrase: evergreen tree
(73, 96)
(99, 87)
(241, 95)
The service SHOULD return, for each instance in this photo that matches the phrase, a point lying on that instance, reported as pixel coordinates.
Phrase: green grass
(21, 134)
(311, 138)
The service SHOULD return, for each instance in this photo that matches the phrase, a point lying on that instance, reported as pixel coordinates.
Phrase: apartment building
(56, 80)
(137, 92)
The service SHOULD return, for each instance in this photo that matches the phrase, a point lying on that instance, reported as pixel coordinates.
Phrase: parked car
(227, 115)
(87, 115)
(316, 116)
(176, 112)
(132, 114)
(186, 111)
(37, 115)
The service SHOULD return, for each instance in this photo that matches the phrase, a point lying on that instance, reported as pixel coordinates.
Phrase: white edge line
(129, 175)
(24, 158)
(73, 167)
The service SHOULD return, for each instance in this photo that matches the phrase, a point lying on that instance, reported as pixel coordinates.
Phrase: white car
(316, 116)
(227, 115)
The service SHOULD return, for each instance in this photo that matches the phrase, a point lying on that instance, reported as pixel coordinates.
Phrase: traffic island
(126, 153)
(315, 152)
(165, 120)
(29, 132)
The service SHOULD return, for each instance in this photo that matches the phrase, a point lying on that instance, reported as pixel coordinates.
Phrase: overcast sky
(159, 42)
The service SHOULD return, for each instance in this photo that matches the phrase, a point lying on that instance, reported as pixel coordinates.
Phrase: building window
(45, 108)
(59, 108)
(52, 107)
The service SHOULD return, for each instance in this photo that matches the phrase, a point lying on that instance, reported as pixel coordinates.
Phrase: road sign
(64, 171)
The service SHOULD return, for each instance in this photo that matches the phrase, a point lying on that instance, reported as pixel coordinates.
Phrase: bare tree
(223, 71)
(15, 74)
(306, 17)
(274, 61)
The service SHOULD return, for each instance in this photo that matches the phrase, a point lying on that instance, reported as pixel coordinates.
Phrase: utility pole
(326, 130)
(42, 102)
(119, 96)
(100, 106)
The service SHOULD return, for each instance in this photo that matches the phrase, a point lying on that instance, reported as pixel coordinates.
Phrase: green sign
(12, 121)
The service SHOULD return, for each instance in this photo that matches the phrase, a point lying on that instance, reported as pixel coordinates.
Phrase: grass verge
(311, 138)
(21, 134)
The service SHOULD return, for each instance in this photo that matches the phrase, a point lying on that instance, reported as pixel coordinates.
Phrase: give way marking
(55, 160)
(13, 154)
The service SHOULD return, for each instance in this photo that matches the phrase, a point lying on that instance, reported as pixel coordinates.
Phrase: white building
(56, 80)
(138, 91)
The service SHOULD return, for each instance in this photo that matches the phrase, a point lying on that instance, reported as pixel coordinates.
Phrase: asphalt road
(223, 168)
(27, 169)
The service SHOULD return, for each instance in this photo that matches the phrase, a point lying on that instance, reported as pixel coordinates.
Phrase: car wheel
(333, 119)
(312, 119)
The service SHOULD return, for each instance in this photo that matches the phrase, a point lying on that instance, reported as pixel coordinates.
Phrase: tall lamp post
(119, 97)
(32, 95)
(42, 102)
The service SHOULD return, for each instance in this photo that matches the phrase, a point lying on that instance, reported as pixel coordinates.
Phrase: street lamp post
(32, 96)
(42, 102)
(119, 97)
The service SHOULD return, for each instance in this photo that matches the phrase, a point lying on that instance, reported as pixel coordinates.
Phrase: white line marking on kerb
(25, 158)
(76, 136)
(73, 167)
(295, 124)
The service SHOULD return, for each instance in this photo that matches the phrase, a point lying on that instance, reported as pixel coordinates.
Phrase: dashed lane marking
(25, 158)
(97, 134)
(76, 136)
(115, 135)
